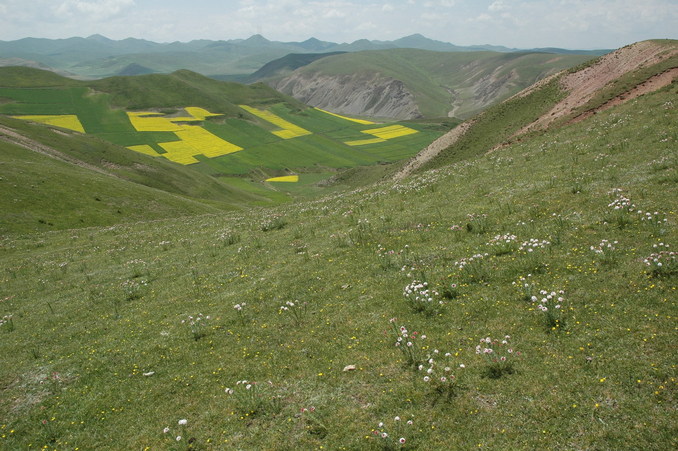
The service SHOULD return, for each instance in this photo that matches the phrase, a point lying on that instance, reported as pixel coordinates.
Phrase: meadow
(254, 141)
(521, 299)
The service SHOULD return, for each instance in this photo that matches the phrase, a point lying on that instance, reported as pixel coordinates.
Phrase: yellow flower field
(285, 178)
(382, 134)
(193, 140)
(69, 121)
(359, 121)
(390, 132)
(152, 122)
(362, 142)
(288, 129)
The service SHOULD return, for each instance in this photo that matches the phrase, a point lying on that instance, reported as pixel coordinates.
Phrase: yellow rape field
(362, 142)
(359, 121)
(285, 178)
(193, 140)
(382, 134)
(289, 130)
(69, 121)
(145, 149)
(200, 113)
(390, 132)
(152, 122)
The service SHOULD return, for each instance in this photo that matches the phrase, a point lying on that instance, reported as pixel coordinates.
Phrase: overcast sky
(582, 24)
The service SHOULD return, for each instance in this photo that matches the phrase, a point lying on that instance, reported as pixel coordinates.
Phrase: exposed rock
(354, 94)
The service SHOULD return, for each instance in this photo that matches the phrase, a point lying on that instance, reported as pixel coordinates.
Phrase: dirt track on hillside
(433, 149)
(581, 87)
(584, 84)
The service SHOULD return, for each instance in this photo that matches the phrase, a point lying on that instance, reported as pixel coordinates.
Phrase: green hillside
(279, 328)
(231, 138)
(462, 82)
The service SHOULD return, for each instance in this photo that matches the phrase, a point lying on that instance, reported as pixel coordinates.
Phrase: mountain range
(97, 56)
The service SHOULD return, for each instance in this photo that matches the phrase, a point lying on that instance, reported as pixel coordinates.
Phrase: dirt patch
(584, 84)
(433, 149)
(13, 137)
(650, 85)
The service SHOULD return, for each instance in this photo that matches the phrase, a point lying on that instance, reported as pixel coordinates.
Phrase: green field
(98, 106)
(101, 348)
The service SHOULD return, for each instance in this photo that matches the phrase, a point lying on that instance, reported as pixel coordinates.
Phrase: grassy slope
(429, 75)
(139, 179)
(99, 313)
(321, 152)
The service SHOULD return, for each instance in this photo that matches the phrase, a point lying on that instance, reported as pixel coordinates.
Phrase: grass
(438, 79)
(102, 108)
(98, 348)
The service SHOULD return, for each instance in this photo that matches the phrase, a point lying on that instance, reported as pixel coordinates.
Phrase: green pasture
(101, 353)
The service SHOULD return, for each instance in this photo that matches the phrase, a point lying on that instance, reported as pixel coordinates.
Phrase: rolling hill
(99, 57)
(407, 83)
(220, 145)
(516, 293)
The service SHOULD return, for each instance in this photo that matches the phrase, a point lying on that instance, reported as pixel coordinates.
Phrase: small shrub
(395, 435)
(551, 305)
(499, 355)
(408, 343)
(442, 374)
(198, 325)
(421, 298)
(252, 398)
(662, 262)
(477, 223)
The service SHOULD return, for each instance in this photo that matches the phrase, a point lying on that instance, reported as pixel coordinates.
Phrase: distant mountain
(97, 56)
(407, 83)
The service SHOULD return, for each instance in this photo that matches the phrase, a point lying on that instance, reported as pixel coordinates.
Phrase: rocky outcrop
(353, 94)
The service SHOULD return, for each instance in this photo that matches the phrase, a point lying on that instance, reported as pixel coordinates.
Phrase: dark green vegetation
(98, 350)
(463, 83)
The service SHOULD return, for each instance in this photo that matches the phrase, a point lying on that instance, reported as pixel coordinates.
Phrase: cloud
(93, 9)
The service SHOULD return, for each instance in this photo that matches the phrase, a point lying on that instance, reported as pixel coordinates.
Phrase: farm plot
(69, 121)
(287, 129)
(193, 140)
(383, 134)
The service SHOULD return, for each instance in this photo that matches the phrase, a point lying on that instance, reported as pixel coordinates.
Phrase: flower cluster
(439, 372)
(466, 261)
(499, 354)
(532, 244)
(134, 288)
(551, 305)
(606, 251)
(525, 287)
(662, 261)
(622, 202)
(407, 343)
(296, 309)
(473, 267)
(393, 436)
(179, 437)
(422, 298)
(503, 244)
(7, 323)
(197, 324)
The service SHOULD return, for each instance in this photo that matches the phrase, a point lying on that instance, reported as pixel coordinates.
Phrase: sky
(573, 24)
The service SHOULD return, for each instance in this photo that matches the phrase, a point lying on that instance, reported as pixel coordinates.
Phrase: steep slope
(572, 95)
(412, 83)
